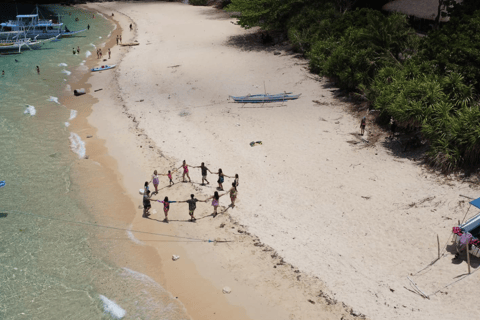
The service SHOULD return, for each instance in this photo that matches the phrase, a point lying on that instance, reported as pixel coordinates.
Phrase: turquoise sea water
(47, 268)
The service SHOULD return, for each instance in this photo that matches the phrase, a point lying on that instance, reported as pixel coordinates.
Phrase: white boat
(33, 26)
(18, 44)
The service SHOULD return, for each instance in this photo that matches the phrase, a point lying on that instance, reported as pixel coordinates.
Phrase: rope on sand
(113, 228)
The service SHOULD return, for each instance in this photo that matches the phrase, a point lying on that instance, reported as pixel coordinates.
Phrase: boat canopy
(27, 16)
(476, 203)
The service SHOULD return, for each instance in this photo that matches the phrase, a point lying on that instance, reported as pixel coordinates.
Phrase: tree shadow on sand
(217, 14)
(259, 41)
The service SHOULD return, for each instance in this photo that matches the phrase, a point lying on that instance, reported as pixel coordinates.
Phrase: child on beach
(155, 181)
(237, 180)
(204, 173)
(215, 202)
(233, 194)
(192, 205)
(145, 187)
(221, 179)
(166, 207)
(363, 123)
(185, 171)
(146, 204)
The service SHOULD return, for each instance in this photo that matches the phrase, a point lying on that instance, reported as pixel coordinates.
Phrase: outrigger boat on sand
(102, 68)
(262, 98)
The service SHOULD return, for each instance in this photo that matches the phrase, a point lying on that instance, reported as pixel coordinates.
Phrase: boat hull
(262, 98)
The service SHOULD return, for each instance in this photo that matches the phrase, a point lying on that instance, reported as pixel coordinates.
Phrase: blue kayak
(2, 184)
(102, 68)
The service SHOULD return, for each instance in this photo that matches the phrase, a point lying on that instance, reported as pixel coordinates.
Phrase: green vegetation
(426, 84)
(198, 2)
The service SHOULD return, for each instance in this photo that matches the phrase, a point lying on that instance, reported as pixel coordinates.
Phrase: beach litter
(175, 258)
(254, 143)
(226, 290)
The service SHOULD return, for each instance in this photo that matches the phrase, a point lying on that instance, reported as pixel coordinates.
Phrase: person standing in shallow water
(38, 70)
(363, 123)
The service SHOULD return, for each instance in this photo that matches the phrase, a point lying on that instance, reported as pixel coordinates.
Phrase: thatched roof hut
(423, 9)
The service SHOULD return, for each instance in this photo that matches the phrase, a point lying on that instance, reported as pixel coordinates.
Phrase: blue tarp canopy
(27, 15)
(476, 203)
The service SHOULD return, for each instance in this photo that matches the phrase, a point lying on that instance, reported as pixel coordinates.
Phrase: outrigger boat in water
(33, 26)
(262, 98)
(17, 44)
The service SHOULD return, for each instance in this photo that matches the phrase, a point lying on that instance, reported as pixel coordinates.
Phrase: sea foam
(30, 110)
(62, 64)
(73, 114)
(133, 238)
(93, 45)
(112, 308)
(53, 99)
(77, 145)
(88, 54)
(66, 72)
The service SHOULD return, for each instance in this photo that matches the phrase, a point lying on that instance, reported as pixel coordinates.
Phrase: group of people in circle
(192, 202)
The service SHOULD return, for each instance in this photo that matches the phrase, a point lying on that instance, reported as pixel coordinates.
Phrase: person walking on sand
(204, 173)
(363, 123)
(192, 205)
(120, 38)
(100, 53)
(215, 202)
(155, 181)
(185, 171)
(221, 178)
(146, 203)
(109, 53)
(166, 207)
(117, 39)
(233, 194)
(38, 70)
(131, 27)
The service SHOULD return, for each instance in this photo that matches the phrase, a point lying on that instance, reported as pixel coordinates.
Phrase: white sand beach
(322, 228)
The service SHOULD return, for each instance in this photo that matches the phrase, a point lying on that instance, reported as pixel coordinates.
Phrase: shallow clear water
(47, 268)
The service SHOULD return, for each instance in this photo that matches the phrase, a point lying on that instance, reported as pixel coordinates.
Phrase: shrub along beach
(427, 84)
